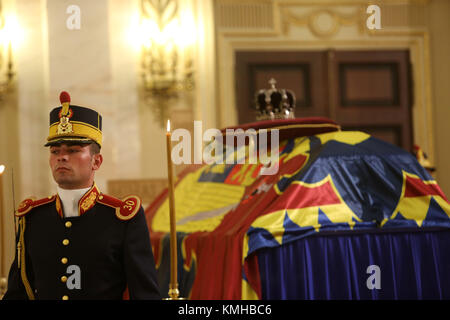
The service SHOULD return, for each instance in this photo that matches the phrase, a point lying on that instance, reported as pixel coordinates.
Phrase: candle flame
(168, 125)
(2, 168)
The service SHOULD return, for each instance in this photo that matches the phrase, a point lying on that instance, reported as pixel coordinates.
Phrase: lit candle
(2, 261)
(173, 287)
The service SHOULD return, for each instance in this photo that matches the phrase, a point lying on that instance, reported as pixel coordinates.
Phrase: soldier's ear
(97, 161)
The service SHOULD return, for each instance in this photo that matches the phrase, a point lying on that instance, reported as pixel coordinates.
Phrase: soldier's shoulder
(30, 203)
(125, 208)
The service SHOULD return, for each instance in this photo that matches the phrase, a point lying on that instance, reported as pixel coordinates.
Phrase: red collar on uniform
(86, 202)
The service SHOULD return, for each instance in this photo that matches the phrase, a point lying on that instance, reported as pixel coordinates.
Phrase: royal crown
(274, 103)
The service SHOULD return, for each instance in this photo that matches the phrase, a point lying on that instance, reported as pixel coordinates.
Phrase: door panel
(368, 84)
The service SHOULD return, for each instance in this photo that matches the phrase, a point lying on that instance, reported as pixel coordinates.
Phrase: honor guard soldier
(80, 243)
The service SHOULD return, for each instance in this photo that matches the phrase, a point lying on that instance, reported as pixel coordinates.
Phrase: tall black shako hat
(69, 123)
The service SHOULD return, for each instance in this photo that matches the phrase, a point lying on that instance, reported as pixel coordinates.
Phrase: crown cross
(272, 82)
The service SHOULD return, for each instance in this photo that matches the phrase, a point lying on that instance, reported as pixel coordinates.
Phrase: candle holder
(173, 286)
(3, 286)
(2, 231)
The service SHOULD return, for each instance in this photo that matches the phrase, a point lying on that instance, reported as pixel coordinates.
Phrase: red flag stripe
(416, 187)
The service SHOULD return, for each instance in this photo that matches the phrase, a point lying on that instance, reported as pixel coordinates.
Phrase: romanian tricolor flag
(328, 182)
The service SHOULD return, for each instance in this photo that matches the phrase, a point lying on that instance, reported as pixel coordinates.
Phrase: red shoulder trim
(26, 205)
(109, 200)
(126, 209)
(129, 208)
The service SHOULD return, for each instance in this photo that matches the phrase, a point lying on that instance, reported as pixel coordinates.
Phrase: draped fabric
(241, 232)
(350, 182)
(412, 265)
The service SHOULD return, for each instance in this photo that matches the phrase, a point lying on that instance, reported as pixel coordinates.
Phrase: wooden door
(361, 90)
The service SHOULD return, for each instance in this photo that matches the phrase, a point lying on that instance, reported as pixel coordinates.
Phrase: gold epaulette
(126, 208)
(26, 205)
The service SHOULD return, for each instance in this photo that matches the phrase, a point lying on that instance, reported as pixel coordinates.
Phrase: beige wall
(439, 26)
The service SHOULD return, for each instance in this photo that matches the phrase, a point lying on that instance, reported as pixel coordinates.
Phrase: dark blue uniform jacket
(97, 255)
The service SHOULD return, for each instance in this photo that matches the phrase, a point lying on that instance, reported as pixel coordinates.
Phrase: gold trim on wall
(311, 20)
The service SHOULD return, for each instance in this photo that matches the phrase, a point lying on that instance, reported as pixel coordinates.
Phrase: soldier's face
(73, 166)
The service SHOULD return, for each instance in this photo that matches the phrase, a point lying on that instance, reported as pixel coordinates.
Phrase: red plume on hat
(64, 96)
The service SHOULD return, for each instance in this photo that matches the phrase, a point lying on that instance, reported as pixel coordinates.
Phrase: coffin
(346, 216)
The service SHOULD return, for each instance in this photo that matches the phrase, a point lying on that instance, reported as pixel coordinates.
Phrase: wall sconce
(6, 55)
(167, 32)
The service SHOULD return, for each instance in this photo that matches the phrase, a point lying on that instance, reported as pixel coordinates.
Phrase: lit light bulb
(12, 32)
